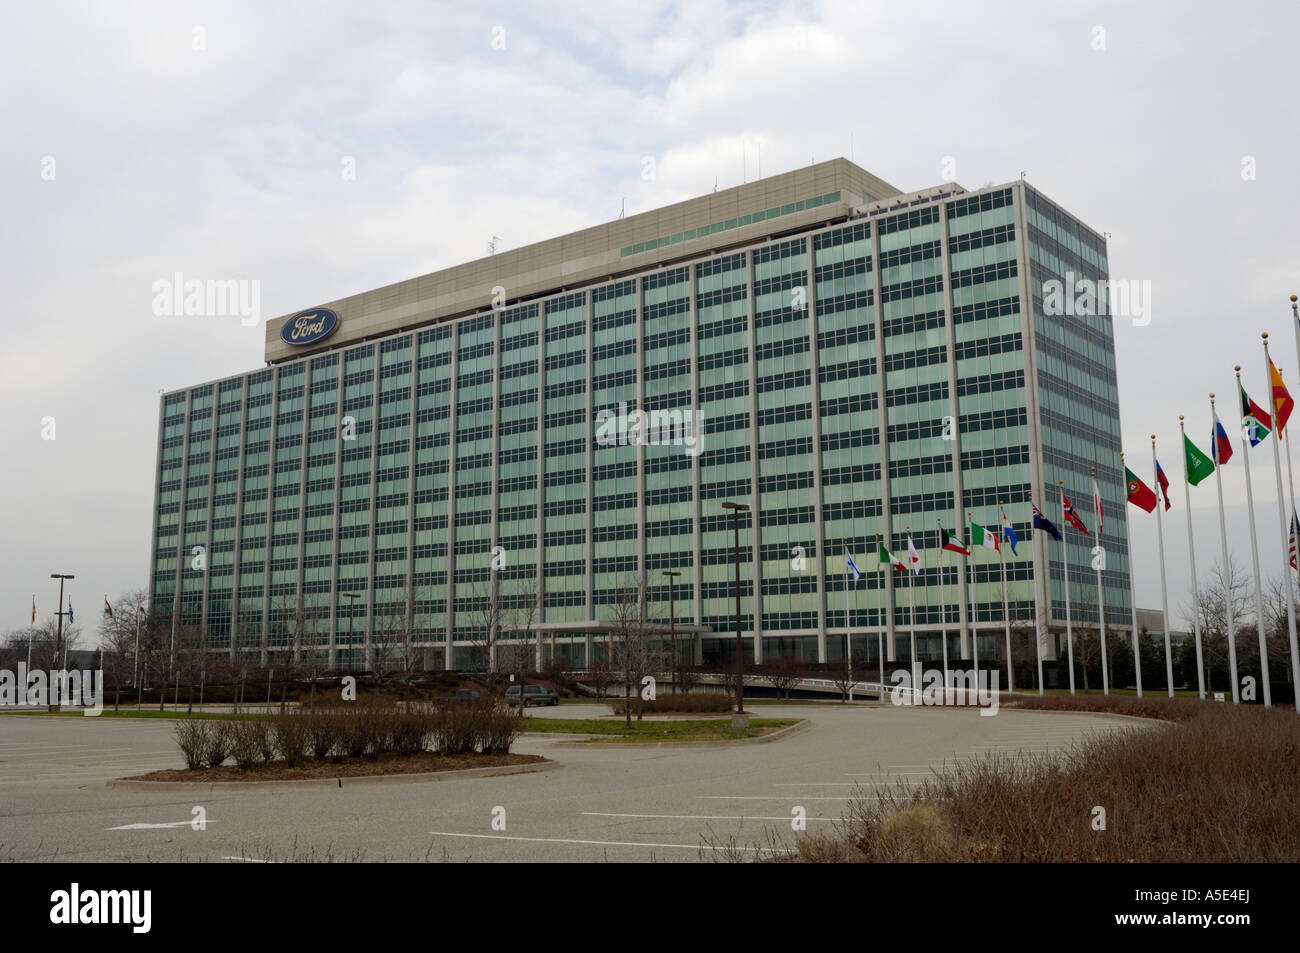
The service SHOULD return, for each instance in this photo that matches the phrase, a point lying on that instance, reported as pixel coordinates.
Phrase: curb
(801, 725)
(124, 784)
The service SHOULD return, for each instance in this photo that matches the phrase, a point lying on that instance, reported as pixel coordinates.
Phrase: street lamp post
(672, 575)
(58, 637)
(736, 510)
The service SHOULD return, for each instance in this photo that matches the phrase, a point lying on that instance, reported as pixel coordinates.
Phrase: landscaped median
(663, 731)
(358, 740)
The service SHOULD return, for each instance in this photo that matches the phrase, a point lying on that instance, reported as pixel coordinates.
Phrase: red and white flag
(1295, 532)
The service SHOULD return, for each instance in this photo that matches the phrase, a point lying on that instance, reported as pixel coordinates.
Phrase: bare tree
(487, 617)
(522, 613)
(635, 654)
(844, 677)
(117, 637)
(782, 674)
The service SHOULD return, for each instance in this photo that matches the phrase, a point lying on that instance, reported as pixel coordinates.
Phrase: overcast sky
(145, 139)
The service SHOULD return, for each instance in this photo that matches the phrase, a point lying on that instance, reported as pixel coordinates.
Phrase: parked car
(466, 696)
(533, 695)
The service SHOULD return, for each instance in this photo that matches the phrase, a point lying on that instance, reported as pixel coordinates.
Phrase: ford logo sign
(308, 327)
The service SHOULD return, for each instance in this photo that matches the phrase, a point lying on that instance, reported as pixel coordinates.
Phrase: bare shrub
(192, 739)
(246, 742)
(219, 737)
(695, 702)
(498, 728)
(290, 732)
(324, 733)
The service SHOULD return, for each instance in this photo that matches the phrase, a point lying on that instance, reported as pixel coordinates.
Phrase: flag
(850, 565)
(1009, 532)
(1043, 523)
(1164, 484)
(951, 542)
(1254, 419)
(1139, 494)
(1071, 516)
(108, 610)
(1295, 531)
(140, 609)
(979, 536)
(69, 610)
(1282, 400)
(33, 608)
(887, 557)
(1220, 445)
(913, 555)
(1096, 500)
(1198, 465)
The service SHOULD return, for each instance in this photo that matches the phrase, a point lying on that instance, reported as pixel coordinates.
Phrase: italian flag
(979, 536)
(887, 557)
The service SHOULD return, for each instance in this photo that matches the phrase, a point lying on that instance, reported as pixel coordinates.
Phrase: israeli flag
(850, 565)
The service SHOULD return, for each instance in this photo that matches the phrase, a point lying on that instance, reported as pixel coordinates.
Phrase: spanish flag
(1283, 403)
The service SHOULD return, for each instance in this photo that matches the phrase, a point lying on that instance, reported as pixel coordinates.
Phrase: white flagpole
(1254, 546)
(1038, 609)
(1191, 554)
(880, 636)
(1286, 558)
(1164, 592)
(1286, 568)
(1006, 613)
(1065, 563)
(943, 605)
(848, 631)
(1132, 588)
(974, 622)
(1101, 602)
(911, 591)
(1223, 535)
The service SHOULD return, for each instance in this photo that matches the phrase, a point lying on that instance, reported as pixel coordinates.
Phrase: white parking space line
(151, 827)
(602, 843)
(777, 797)
(700, 817)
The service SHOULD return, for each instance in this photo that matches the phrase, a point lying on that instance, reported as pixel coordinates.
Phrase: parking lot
(669, 803)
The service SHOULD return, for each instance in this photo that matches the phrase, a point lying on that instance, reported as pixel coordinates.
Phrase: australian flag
(1043, 523)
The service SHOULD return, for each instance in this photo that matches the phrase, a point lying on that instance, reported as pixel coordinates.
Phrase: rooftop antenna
(760, 158)
(715, 183)
(850, 147)
(492, 245)
(744, 176)
(622, 206)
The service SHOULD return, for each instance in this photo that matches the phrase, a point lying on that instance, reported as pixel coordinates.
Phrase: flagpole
(1286, 560)
(1286, 569)
(880, 638)
(1006, 613)
(1164, 592)
(1223, 535)
(1065, 562)
(135, 663)
(1132, 586)
(911, 591)
(1191, 554)
(1101, 603)
(974, 622)
(943, 606)
(848, 633)
(1038, 613)
(1254, 547)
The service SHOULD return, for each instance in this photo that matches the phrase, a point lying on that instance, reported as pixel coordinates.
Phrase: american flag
(1295, 532)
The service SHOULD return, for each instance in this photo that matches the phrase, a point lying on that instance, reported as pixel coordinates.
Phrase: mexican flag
(979, 536)
(108, 609)
(887, 557)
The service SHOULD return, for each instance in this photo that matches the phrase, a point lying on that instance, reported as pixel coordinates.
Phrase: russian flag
(1220, 445)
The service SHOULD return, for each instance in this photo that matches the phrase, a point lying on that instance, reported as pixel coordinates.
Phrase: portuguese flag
(1139, 494)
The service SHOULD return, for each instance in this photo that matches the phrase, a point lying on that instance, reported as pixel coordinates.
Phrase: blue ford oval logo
(308, 327)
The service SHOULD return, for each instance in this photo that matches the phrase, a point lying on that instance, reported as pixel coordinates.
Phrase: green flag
(1199, 466)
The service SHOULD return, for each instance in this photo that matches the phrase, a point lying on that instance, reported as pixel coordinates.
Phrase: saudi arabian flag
(979, 536)
(1199, 466)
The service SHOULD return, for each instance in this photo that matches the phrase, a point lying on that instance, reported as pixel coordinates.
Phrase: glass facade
(855, 383)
